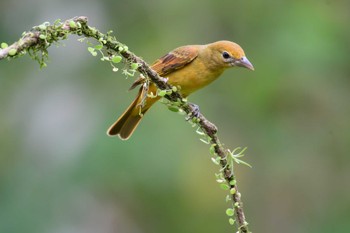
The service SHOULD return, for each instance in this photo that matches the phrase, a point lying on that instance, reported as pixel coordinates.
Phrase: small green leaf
(162, 93)
(231, 221)
(4, 45)
(196, 120)
(92, 51)
(12, 52)
(103, 41)
(174, 88)
(42, 36)
(42, 27)
(233, 182)
(230, 212)
(99, 46)
(134, 66)
(173, 108)
(232, 191)
(220, 181)
(116, 59)
(72, 24)
(224, 186)
(215, 161)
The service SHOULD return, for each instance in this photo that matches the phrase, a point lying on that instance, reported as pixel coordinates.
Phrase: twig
(40, 38)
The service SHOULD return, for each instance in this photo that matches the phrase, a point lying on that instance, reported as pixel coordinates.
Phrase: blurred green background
(60, 173)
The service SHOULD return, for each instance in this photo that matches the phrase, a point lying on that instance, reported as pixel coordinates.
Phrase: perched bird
(189, 67)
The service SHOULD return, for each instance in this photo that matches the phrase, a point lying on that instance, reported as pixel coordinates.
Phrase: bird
(189, 67)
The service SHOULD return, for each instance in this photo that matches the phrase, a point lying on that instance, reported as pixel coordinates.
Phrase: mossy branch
(36, 42)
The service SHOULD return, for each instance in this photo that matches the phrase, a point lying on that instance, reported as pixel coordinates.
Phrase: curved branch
(41, 37)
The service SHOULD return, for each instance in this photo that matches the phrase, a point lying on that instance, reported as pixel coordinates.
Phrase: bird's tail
(130, 119)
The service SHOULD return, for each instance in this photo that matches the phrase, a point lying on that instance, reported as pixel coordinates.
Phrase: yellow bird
(191, 67)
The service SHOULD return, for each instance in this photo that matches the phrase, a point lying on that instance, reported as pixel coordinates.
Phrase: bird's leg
(145, 88)
(194, 111)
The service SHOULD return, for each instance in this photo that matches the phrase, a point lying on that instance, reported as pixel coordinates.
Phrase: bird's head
(229, 54)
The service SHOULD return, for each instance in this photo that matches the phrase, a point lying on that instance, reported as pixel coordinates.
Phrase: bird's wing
(175, 60)
(172, 61)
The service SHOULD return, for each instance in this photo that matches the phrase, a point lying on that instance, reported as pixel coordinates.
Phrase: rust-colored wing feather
(172, 61)
(175, 60)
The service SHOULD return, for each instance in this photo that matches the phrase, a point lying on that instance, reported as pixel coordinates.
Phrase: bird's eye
(226, 55)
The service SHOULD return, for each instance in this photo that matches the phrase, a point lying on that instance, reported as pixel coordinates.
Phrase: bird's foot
(194, 112)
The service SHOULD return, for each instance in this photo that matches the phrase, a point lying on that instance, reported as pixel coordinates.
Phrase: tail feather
(129, 127)
(130, 119)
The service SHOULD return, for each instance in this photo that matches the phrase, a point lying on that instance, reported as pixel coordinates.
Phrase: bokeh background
(60, 173)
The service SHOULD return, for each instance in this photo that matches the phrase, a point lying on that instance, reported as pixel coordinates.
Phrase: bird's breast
(193, 77)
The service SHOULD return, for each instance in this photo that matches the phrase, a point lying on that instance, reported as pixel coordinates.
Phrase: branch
(27, 41)
(41, 37)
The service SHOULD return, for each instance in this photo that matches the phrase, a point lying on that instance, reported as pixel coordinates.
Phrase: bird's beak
(244, 62)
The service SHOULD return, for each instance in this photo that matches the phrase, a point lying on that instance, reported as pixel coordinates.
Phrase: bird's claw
(194, 112)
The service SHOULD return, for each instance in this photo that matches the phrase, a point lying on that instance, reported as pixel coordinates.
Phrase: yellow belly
(193, 77)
